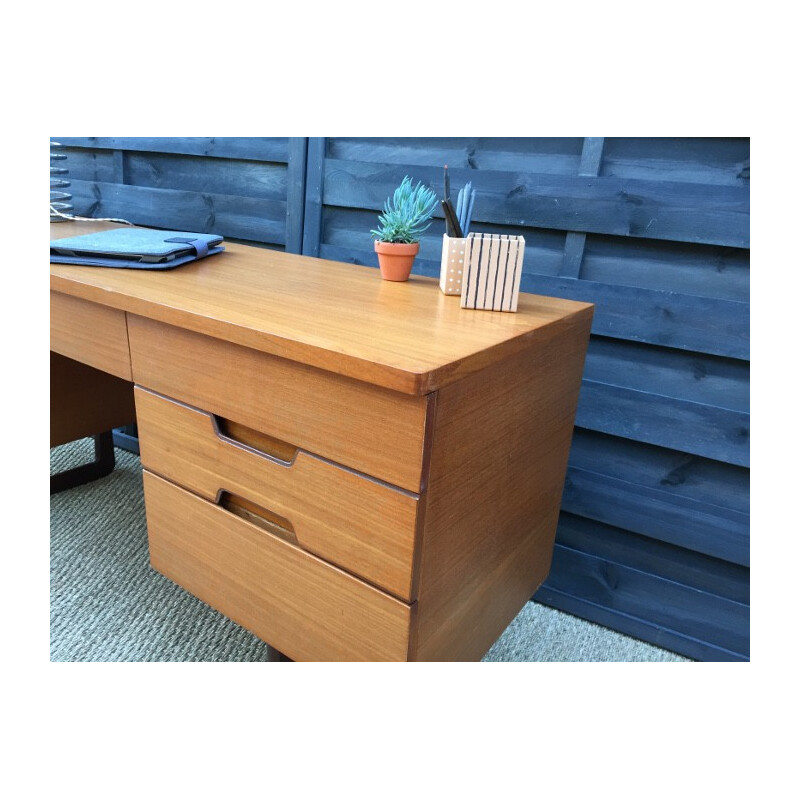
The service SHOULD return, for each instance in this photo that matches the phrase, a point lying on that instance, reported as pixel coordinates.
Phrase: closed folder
(135, 248)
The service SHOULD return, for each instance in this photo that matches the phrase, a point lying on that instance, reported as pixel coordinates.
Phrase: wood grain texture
(85, 401)
(90, 333)
(499, 455)
(296, 602)
(359, 524)
(700, 213)
(339, 317)
(364, 427)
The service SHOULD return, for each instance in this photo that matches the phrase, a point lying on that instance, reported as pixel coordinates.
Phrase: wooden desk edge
(385, 375)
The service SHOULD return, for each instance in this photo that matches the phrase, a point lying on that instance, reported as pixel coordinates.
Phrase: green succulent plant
(406, 213)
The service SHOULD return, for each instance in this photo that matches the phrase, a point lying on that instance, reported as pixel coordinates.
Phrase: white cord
(58, 213)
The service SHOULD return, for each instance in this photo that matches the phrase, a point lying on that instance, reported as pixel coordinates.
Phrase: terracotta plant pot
(396, 259)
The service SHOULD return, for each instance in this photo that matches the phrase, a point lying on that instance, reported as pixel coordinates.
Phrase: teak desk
(352, 469)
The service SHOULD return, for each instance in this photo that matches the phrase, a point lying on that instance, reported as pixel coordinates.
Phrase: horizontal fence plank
(91, 165)
(251, 219)
(693, 160)
(665, 605)
(646, 554)
(234, 177)
(691, 269)
(546, 155)
(680, 474)
(655, 210)
(703, 430)
(635, 626)
(242, 147)
(702, 527)
(698, 324)
(719, 382)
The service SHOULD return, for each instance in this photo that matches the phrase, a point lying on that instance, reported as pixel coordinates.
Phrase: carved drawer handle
(238, 434)
(262, 517)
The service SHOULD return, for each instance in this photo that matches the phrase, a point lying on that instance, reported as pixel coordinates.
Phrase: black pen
(453, 228)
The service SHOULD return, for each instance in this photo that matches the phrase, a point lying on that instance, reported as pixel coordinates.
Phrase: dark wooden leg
(102, 465)
(275, 655)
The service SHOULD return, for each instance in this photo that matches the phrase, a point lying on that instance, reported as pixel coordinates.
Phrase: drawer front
(90, 333)
(362, 525)
(296, 602)
(365, 427)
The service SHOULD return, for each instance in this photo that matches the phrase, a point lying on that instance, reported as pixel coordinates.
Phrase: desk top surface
(336, 316)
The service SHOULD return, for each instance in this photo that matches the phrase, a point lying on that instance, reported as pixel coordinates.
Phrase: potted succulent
(404, 218)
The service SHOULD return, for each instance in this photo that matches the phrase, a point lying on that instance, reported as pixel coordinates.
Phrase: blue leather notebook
(135, 248)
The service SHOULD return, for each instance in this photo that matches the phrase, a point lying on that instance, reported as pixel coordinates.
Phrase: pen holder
(485, 269)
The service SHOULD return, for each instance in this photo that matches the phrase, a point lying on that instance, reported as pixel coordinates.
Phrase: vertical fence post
(312, 222)
(576, 242)
(295, 193)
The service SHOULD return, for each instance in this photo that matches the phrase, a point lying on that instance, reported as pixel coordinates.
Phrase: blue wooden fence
(653, 538)
(246, 189)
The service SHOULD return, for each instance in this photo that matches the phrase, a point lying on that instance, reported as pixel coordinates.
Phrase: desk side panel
(85, 401)
(499, 456)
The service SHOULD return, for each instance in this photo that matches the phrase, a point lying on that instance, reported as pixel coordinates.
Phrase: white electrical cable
(58, 213)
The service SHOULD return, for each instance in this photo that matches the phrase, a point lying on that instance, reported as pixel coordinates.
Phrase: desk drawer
(362, 525)
(296, 602)
(90, 333)
(365, 427)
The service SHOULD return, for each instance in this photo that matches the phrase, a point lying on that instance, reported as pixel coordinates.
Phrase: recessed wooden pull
(270, 446)
(263, 517)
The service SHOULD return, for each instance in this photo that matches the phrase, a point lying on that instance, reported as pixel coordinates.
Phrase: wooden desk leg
(102, 465)
(275, 655)
(83, 401)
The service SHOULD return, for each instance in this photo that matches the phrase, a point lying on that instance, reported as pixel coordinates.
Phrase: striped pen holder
(485, 269)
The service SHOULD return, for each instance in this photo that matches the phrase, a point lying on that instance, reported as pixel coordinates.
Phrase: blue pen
(468, 220)
(464, 199)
